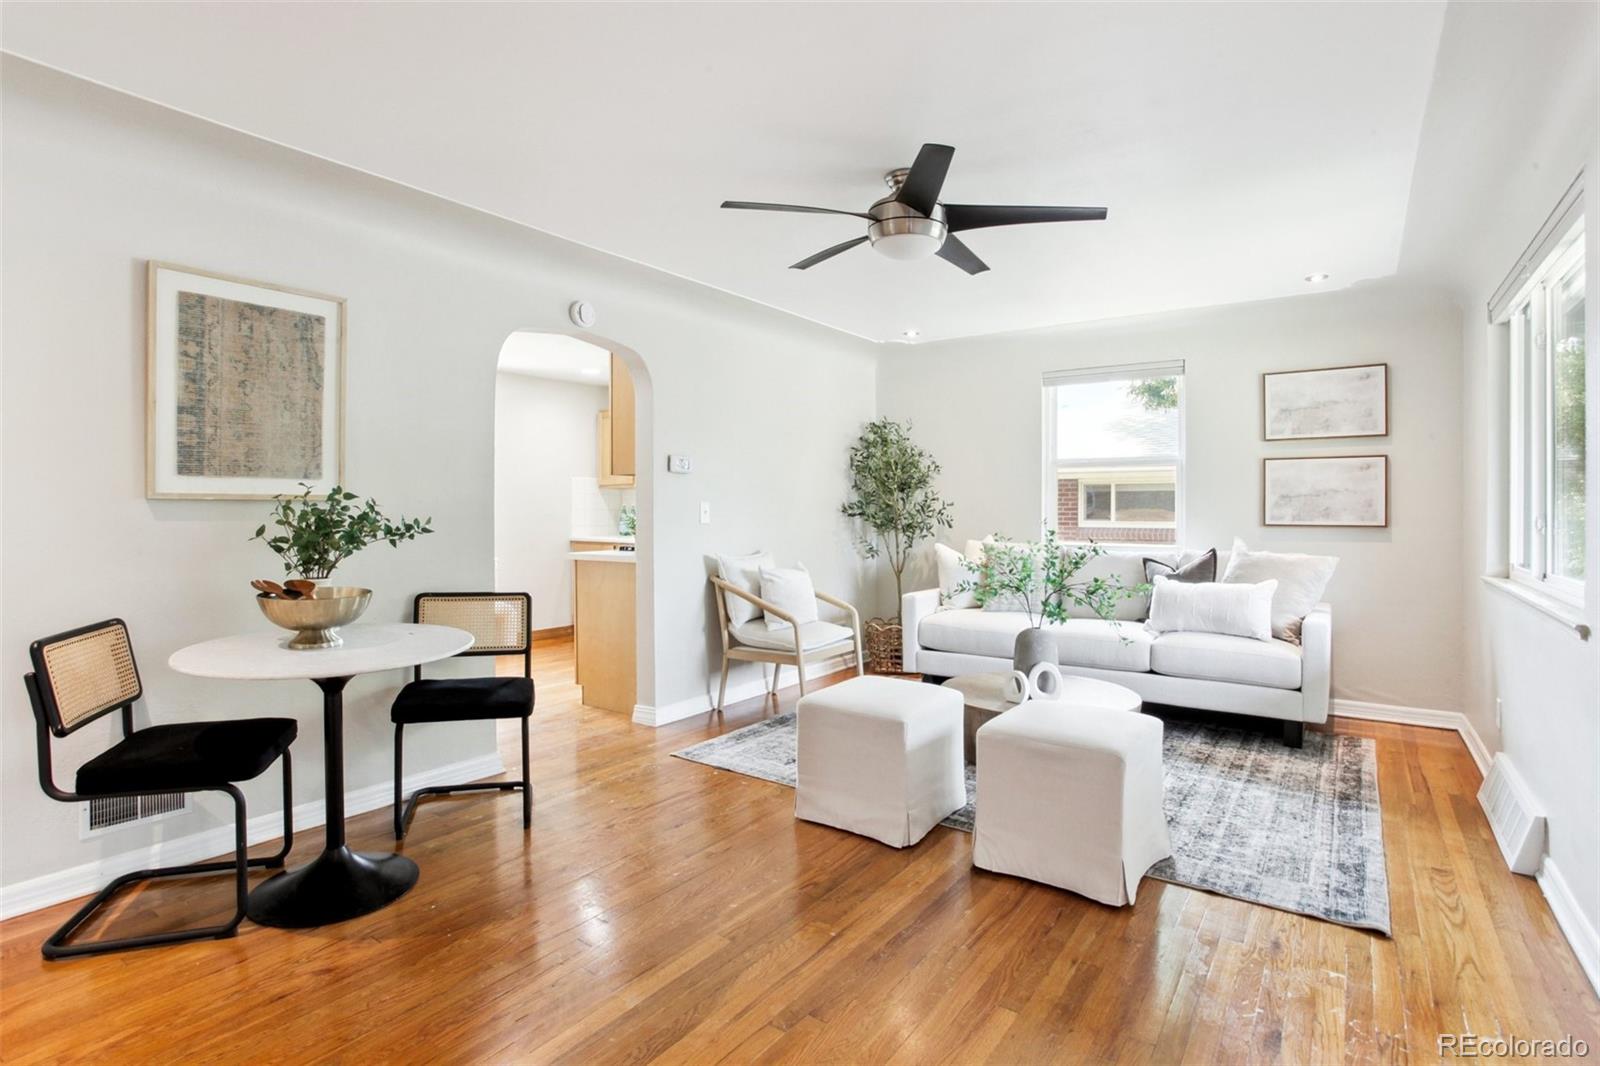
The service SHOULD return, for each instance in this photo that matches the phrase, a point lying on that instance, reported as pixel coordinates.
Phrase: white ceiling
(555, 356)
(1238, 147)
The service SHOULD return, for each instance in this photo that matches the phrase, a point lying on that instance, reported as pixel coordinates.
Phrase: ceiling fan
(911, 223)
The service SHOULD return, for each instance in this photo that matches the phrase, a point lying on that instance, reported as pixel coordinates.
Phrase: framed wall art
(1341, 401)
(245, 387)
(1325, 490)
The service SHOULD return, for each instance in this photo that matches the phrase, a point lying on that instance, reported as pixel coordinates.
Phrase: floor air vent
(102, 815)
(1514, 815)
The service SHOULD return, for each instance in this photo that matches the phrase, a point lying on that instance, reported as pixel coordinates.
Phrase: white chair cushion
(1214, 657)
(1099, 767)
(789, 590)
(813, 635)
(880, 757)
(1089, 642)
(744, 572)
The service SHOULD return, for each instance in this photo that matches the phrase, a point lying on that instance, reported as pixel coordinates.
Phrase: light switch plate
(679, 464)
(705, 512)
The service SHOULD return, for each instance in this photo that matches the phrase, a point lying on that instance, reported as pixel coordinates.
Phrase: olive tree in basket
(896, 504)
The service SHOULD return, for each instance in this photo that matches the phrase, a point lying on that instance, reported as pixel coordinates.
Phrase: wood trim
(1322, 525)
(555, 634)
(154, 265)
(1318, 370)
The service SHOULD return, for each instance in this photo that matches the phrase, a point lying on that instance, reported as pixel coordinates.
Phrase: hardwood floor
(660, 910)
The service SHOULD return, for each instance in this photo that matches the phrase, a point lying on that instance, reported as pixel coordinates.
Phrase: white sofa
(1269, 679)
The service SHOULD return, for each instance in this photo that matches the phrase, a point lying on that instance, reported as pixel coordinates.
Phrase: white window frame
(1129, 478)
(1051, 465)
(1531, 396)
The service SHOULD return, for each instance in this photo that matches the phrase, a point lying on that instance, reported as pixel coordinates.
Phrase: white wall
(976, 403)
(95, 183)
(544, 436)
(1511, 121)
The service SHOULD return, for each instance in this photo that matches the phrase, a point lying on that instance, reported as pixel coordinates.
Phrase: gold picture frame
(244, 387)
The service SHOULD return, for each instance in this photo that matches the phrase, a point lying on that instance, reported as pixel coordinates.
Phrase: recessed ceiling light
(1316, 279)
(911, 334)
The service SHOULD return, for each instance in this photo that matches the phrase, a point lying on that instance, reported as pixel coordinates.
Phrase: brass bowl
(316, 619)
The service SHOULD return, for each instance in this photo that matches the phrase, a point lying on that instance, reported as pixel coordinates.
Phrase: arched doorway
(573, 507)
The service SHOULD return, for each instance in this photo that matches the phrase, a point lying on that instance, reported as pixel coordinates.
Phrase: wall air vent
(1514, 815)
(106, 814)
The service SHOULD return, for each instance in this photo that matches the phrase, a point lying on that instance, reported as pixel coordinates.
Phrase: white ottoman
(880, 757)
(1071, 796)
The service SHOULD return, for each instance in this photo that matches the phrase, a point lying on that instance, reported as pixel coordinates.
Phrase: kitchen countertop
(611, 555)
(612, 539)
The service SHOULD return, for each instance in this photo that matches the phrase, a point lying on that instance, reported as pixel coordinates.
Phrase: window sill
(1560, 610)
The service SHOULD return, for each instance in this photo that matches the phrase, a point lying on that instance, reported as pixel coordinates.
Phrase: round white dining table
(339, 883)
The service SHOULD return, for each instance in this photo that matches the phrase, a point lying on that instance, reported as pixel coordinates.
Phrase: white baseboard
(88, 878)
(1573, 922)
(1426, 717)
(644, 714)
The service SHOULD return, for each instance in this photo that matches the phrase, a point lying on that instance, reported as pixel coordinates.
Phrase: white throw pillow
(790, 591)
(954, 571)
(1009, 601)
(1212, 607)
(1302, 579)
(744, 572)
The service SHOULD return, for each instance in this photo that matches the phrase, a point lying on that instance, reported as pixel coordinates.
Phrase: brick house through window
(1114, 447)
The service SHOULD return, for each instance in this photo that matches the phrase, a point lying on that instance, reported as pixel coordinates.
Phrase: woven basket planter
(882, 638)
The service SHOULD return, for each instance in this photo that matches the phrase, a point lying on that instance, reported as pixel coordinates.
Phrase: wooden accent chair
(499, 624)
(795, 646)
(84, 674)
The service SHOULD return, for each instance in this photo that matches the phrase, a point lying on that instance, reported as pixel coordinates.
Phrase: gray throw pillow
(1201, 571)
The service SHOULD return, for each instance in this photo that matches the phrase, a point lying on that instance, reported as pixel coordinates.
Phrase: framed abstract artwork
(1341, 401)
(245, 387)
(1325, 490)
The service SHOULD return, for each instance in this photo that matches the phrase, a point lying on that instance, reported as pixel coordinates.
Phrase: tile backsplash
(596, 512)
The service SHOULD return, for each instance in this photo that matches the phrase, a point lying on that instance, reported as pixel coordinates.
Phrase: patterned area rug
(1296, 829)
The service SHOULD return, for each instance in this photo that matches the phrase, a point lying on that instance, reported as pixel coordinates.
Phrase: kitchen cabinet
(615, 431)
(603, 628)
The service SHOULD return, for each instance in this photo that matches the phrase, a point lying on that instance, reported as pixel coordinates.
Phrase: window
(1546, 320)
(1113, 454)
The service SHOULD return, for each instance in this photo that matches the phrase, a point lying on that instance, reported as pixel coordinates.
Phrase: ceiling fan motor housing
(901, 232)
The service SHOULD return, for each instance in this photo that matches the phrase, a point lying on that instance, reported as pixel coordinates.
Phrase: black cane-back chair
(83, 674)
(498, 622)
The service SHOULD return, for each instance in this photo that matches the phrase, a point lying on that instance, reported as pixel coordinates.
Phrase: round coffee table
(984, 695)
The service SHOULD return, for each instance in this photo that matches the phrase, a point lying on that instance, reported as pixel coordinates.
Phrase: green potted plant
(312, 537)
(896, 504)
(1042, 580)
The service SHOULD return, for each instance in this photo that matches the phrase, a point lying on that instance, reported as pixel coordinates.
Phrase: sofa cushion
(1103, 645)
(1214, 657)
(972, 631)
(1079, 641)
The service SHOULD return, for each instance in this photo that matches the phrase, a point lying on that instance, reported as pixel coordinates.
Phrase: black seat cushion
(188, 755)
(463, 699)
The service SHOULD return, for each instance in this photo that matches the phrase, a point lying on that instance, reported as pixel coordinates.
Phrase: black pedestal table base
(339, 884)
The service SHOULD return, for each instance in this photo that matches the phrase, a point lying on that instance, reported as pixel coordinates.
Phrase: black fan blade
(746, 205)
(921, 189)
(980, 216)
(827, 253)
(953, 251)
